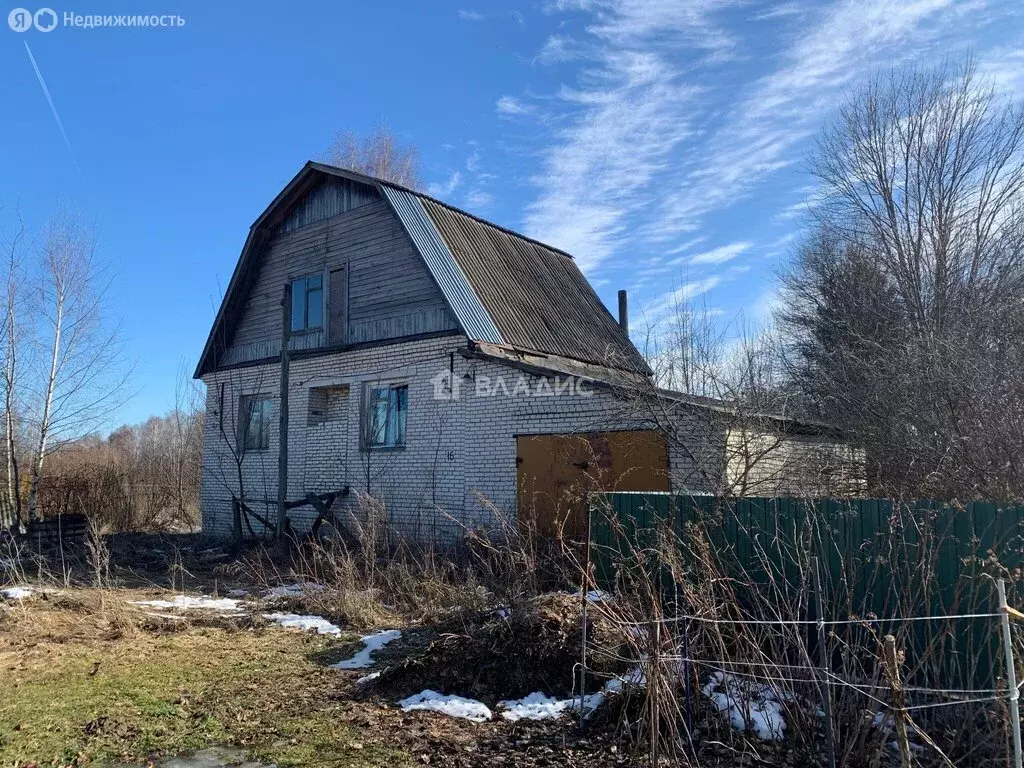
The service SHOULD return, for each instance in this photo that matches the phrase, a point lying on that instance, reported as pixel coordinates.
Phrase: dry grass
(91, 679)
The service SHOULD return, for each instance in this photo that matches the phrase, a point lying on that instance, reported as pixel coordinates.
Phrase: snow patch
(536, 706)
(591, 701)
(371, 643)
(368, 678)
(17, 593)
(316, 624)
(453, 706)
(193, 602)
(748, 705)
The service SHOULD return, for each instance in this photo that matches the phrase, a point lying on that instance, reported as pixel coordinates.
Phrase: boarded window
(338, 328)
(386, 417)
(308, 303)
(255, 422)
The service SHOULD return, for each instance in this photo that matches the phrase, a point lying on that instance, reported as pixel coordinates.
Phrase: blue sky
(662, 142)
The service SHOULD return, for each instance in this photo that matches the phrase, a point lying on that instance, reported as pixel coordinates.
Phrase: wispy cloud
(558, 49)
(467, 15)
(629, 111)
(1004, 68)
(510, 105)
(476, 200)
(444, 189)
(785, 108)
(674, 115)
(721, 254)
(688, 291)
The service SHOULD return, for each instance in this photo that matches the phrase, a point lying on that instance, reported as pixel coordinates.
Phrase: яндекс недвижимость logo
(22, 19)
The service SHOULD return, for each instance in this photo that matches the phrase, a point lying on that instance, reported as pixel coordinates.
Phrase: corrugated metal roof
(536, 295)
(503, 287)
(464, 301)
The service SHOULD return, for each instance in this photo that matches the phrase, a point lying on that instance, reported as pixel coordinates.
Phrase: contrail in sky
(53, 108)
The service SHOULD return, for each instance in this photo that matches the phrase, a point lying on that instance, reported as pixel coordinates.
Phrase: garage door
(554, 472)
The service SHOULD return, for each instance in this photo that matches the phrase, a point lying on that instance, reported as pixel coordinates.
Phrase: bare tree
(720, 399)
(10, 331)
(379, 154)
(903, 305)
(82, 380)
(186, 422)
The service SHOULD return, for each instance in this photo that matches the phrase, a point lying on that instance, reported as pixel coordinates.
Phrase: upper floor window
(388, 408)
(255, 422)
(308, 303)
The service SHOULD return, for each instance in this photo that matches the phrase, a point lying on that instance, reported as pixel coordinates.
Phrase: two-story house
(438, 362)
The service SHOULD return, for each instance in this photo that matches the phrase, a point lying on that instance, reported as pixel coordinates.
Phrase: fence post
(823, 684)
(584, 587)
(892, 669)
(1011, 673)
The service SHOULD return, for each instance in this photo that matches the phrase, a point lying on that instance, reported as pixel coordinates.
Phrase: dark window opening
(255, 422)
(308, 303)
(388, 408)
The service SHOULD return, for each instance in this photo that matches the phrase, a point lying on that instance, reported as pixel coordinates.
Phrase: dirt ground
(89, 678)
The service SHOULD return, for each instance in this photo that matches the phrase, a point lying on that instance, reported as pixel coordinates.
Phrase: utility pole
(282, 420)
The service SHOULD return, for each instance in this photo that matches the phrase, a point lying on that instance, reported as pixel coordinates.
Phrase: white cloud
(477, 199)
(721, 254)
(446, 188)
(558, 49)
(467, 15)
(668, 302)
(693, 242)
(510, 105)
(1004, 68)
(664, 128)
(625, 123)
(764, 307)
(768, 130)
(632, 23)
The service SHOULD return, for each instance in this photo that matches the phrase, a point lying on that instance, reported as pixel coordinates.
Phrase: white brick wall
(456, 449)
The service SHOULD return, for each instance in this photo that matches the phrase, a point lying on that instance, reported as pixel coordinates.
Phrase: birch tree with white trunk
(82, 377)
(11, 340)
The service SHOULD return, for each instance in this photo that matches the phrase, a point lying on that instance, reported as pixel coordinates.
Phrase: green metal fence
(878, 558)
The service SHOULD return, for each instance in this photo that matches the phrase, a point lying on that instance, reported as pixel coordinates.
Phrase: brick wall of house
(458, 450)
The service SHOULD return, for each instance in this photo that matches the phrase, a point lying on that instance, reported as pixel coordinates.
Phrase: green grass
(95, 701)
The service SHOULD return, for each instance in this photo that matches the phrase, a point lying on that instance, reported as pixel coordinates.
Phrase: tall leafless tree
(82, 379)
(903, 305)
(379, 154)
(10, 334)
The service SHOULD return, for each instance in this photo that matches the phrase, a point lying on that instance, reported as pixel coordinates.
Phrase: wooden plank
(384, 274)
(337, 306)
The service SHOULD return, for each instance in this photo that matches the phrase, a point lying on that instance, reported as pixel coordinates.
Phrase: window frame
(246, 411)
(396, 415)
(304, 293)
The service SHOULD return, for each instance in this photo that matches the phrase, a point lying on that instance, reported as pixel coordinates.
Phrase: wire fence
(850, 634)
(744, 689)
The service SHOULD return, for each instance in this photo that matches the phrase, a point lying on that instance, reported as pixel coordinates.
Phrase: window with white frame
(385, 419)
(255, 422)
(308, 303)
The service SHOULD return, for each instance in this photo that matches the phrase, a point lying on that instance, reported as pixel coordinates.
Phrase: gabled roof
(504, 288)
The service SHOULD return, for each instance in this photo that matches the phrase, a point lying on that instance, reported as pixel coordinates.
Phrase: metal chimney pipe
(624, 312)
